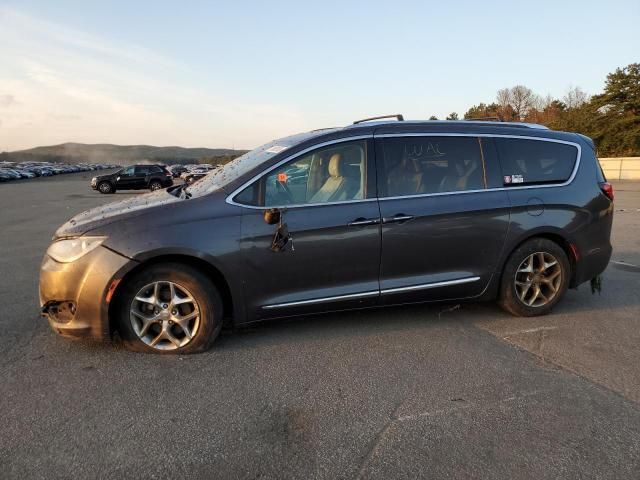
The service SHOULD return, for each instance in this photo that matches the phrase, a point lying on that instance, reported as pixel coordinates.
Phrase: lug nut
(164, 305)
(174, 312)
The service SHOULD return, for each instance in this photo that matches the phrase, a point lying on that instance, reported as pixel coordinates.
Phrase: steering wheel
(283, 189)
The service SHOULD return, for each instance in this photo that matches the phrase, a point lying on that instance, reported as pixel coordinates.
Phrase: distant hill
(121, 154)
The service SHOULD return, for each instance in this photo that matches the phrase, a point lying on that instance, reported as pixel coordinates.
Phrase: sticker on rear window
(276, 149)
(517, 179)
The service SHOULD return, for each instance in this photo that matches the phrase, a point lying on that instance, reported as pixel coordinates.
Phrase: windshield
(220, 177)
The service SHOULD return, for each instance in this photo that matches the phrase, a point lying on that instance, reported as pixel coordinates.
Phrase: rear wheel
(105, 187)
(155, 185)
(534, 278)
(169, 308)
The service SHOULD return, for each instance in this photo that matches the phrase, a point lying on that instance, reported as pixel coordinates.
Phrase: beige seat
(461, 176)
(405, 179)
(343, 182)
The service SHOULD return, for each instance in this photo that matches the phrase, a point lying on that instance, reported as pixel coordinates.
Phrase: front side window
(128, 171)
(532, 162)
(336, 173)
(427, 165)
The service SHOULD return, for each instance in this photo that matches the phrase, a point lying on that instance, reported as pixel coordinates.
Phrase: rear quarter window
(535, 162)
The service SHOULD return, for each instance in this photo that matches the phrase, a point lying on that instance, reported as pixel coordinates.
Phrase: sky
(239, 74)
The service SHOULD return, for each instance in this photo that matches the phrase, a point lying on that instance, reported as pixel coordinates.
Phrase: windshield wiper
(184, 194)
(179, 191)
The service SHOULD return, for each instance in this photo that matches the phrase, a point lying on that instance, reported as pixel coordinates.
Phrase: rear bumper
(73, 296)
(592, 264)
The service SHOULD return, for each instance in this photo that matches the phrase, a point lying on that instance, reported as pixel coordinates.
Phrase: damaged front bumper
(74, 297)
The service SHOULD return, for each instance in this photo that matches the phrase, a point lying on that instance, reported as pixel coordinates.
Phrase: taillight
(607, 189)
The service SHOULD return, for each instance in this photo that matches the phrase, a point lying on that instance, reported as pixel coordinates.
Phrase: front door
(126, 179)
(329, 250)
(442, 228)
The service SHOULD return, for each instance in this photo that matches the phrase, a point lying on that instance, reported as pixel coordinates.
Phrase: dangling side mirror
(272, 216)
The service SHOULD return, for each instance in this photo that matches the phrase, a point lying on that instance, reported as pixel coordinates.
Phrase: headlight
(70, 250)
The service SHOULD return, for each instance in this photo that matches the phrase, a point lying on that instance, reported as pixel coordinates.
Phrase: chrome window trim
(323, 299)
(230, 197)
(230, 200)
(422, 286)
(487, 135)
(425, 286)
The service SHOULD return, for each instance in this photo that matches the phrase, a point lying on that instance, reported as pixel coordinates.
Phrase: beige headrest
(335, 165)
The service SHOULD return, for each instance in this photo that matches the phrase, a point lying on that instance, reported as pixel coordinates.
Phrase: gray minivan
(377, 213)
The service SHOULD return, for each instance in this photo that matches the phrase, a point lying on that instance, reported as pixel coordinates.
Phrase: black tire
(201, 288)
(106, 187)
(509, 299)
(155, 185)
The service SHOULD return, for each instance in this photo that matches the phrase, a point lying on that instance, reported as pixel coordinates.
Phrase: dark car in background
(134, 177)
(374, 214)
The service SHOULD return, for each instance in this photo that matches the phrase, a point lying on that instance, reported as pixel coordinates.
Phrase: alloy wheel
(538, 279)
(165, 315)
(105, 188)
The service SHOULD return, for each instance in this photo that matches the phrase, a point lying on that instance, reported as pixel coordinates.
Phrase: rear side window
(424, 165)
(535, 162)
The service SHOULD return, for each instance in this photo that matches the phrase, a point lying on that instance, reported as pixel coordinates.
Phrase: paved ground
(433, 392)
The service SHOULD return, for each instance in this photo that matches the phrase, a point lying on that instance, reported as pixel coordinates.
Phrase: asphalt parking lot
(439, 391)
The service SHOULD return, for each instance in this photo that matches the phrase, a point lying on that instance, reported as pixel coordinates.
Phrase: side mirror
(272, 216)
(118, 178)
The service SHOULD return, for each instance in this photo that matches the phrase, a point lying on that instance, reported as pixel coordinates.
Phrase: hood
(111, 212)
(104, 175)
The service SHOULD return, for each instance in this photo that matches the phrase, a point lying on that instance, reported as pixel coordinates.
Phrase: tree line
(610, 118)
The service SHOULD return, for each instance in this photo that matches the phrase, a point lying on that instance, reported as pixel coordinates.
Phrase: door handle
(361, 222)
(398, 218)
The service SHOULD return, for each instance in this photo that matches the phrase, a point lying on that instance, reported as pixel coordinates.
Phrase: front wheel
(169, 308)
(534, 278)
(105, 187)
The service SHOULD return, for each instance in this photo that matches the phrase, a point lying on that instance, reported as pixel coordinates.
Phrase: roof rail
(510, 124)
(397, 116)
(484, 119)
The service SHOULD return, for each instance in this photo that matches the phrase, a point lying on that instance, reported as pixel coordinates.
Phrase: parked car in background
(177, 170)
(25, 170)
(194, 175)
(134, 177)
(443, 211)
